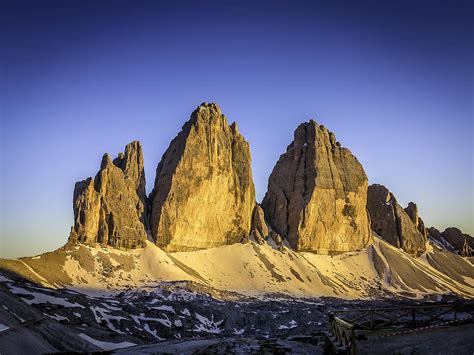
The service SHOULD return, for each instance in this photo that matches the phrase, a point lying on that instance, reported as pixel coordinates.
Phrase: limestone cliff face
(317, 194)
(203, 195)
(400, 227)
(110, 209)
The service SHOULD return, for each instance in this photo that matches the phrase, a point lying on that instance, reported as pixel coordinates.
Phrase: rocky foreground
(181, 317)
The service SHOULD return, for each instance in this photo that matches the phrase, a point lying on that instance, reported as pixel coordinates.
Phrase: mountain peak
(110, 209)
(317, 192)
(204, 194)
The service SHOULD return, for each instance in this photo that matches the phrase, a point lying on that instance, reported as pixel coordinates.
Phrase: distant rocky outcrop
(110, 209)
(317, 194)
(400, 227)
(454, 240)
(204, 194)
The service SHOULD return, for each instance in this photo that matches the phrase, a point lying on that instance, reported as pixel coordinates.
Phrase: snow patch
(164, 308)
(58, 317)
(42, 279)
(103, 314)
(208, 325)
(152, 332)
(186, 312)
(42, 298)
(166, 322)
(4, 279)
(290, 325)
(106, 345)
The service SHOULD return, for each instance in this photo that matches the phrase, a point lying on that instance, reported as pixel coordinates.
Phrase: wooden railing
(348, 326)
(344, 332)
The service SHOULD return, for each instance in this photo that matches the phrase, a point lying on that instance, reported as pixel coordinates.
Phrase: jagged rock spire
(400, 227)
(110, 209)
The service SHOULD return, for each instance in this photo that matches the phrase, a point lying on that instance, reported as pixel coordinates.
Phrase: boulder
(256, 237)
(203, 195)
(400, 227)
(110, 209)
(277, 239)
(317, 194)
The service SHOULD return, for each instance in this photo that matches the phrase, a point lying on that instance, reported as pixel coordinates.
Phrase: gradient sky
(393, 81)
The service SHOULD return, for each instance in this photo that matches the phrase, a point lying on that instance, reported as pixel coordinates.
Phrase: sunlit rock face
(317, 194)
(110, 209)
(203, 195)
(400, 227)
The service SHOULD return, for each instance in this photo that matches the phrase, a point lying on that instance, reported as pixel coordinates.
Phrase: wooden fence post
(353, 342)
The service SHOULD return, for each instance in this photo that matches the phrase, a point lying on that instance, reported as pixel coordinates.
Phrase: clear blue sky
(392, 80)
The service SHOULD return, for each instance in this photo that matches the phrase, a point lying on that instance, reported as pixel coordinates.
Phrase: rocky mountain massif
(200, 257)
(317, 194)
(404, 228)
(318, 197)
(202, 224)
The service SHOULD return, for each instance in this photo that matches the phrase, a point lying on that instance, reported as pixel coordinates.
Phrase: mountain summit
(204, 194)
(110, 209)
(317, 194)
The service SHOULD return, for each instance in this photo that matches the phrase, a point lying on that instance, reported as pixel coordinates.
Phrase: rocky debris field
(177, 316)
(170, 311)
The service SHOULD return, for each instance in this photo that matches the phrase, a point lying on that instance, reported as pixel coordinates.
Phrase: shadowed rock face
(317, 194)
(453, 239)
(412, 212)
(204, 194)
(402, 228)
(110, 209)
